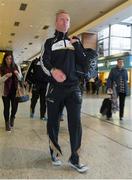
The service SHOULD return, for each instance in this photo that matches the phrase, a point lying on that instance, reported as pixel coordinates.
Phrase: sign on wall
(1, 56)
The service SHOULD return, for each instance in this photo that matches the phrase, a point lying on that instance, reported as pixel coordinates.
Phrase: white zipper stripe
(41, 62)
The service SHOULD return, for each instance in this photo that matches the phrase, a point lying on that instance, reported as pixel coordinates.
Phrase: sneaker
(55, 160)
(121, 119)
(43, 118)
(79, 167)
(109, 118)
(102, 117)
(31, 115)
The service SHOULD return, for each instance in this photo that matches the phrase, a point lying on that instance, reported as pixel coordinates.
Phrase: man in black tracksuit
(59, 62)
(39, 81)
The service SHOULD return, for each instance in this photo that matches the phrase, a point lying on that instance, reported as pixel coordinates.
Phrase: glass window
(102, 52)
(120, 30)
(112, 52)
(120, 43)
(100, 48)
(104, 33)
(120, 40)
(103, 44)
(106, 53)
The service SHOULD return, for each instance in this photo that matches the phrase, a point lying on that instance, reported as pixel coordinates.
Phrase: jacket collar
(61, 35)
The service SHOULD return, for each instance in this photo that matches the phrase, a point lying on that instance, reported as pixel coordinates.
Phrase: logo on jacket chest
(63, 44)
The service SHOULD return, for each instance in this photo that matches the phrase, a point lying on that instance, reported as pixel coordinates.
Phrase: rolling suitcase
(106, 107)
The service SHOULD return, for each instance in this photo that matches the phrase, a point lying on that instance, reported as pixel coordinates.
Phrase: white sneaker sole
(57, 163)
(83, 170)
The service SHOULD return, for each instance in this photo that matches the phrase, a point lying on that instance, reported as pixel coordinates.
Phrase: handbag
(21, 93)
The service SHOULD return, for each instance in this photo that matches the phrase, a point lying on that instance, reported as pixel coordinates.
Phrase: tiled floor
(92, 104)
(106, 147)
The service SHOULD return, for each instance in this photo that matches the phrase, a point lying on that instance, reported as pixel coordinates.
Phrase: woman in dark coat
(118, 76)
(9, 76)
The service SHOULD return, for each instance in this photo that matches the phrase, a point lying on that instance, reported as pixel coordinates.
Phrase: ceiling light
(36, 37)
(46, 27)
(23, 7)
(16, 23)
(12, 34)
(2, 4)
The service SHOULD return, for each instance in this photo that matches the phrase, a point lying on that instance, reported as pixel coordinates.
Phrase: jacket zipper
(64, 40)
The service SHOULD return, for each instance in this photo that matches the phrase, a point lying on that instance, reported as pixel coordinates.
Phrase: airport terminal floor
(106, 145)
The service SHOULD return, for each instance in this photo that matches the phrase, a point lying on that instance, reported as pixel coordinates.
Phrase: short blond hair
(61, 11)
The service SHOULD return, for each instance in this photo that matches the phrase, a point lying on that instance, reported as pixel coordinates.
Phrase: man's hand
(73, 40)
(58, 75)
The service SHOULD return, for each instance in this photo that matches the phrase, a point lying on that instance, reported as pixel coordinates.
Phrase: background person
(98, 84)
(36, 78)
(9, 75)
(119, 76)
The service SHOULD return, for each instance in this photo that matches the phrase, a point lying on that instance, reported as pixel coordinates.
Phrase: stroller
(110, 104)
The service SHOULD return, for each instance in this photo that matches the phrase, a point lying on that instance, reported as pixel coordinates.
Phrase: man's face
(120, 63)
(62, 22)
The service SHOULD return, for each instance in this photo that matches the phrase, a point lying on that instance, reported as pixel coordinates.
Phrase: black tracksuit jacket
(61, 54)
(35, 74)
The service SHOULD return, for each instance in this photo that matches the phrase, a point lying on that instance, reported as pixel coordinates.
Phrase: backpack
(89, 69)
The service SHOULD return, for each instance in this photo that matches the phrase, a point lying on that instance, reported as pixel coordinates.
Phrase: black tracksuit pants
(39, 91)
(72, 99)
